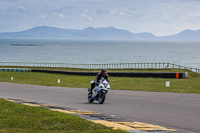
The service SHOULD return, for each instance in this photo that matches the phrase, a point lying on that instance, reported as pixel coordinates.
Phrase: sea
(185, 53)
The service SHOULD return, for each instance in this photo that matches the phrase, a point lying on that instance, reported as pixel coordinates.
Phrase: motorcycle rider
(103, 74)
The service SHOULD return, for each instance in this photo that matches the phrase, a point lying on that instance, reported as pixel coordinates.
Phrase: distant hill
(184, 35)
(87, 33)
(96, 33)
(41, 32)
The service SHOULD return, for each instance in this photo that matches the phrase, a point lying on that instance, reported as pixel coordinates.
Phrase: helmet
(103, 73)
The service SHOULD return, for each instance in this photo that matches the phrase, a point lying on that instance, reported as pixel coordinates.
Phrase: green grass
(190, 85)
(21, 118)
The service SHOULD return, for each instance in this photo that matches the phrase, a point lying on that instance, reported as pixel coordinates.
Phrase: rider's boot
(92, 87)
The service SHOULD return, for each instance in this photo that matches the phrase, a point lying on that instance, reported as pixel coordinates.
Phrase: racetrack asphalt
(174, 110)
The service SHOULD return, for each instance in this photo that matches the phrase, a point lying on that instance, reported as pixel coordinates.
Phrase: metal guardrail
(101, 66)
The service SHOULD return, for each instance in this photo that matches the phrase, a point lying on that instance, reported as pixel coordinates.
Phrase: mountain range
(96, 33)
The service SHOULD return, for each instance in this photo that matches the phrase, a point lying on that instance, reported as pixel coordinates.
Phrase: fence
(101, 66)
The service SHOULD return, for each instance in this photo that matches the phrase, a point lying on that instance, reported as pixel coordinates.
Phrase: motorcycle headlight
(105, 85)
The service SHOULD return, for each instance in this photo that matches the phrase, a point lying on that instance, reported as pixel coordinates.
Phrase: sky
(160, 17)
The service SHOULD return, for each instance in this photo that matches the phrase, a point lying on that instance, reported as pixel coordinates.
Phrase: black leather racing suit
(96, 80)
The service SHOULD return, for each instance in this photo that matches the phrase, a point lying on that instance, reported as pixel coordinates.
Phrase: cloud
(42, 16)
(21, 9)
(86, 16)
(61, 15)
(112, 12)
(122, 13)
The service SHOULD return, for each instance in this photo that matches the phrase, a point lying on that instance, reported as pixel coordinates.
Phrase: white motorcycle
(99, 92)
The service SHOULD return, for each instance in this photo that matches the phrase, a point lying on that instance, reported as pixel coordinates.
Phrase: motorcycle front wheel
(90, 99)
(102, 97)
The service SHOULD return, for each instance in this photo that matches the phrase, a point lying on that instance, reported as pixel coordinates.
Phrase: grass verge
(190, 85)
(21, 118)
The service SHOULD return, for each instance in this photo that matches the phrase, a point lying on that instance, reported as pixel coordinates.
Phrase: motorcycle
(99, 92)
